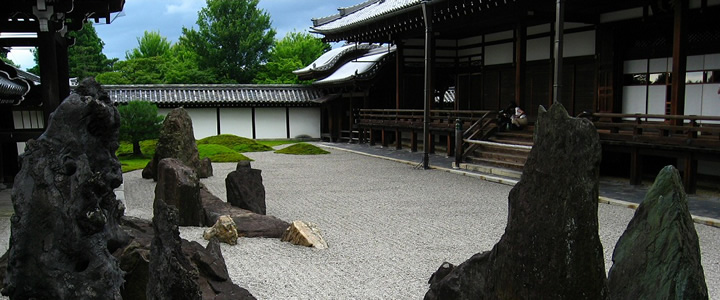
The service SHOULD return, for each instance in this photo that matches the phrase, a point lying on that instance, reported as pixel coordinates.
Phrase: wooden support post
(520, 58)
(679, 67)
(635, 167)
(690, 173)
(383, 138)
(458, 143)
(413, 141)
(63, 68)
(49, 84)
(398, 139)
(372, 137)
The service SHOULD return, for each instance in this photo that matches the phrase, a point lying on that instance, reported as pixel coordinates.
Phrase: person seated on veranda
(519, 119)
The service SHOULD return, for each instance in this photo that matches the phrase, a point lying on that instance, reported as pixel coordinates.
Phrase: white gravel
(389, 226)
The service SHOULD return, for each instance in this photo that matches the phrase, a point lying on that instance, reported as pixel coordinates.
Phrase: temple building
(644, 71)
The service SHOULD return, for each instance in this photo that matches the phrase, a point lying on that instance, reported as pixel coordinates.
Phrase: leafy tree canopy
(139, 121)
(176, 65)
(85, 57)
(151, 44)
(233, 38)
(295, 51)
(4, 58)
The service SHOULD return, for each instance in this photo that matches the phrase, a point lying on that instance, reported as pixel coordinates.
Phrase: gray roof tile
(215, 94)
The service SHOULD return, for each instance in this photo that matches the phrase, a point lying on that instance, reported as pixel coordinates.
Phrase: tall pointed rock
(551, 248)
(658, 255)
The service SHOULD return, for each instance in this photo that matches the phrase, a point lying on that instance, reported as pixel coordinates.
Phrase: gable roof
(215, 95)
(362, 67)
(331, 58)
(368, 11)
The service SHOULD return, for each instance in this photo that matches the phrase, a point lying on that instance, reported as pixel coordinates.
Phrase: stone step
(491, 169)
(496, 162)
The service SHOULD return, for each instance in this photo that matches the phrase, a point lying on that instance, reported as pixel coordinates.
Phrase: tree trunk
(136, 149)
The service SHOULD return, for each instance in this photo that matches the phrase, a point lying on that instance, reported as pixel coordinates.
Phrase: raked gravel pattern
(389, 226)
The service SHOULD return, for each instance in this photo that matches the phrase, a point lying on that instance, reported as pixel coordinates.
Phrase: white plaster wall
(538, 49)
(712, 61)
(270, 123)
(634, 99)
(656, 99)
(660, 64)
(204, 121)
(28, 119)
(579, 44)
(711, 101)
(164, 111)
(693, 99)
(305, 121)
(237, 121)
(497, 36)
(499, 54)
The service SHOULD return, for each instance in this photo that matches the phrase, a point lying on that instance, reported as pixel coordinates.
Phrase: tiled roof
(329, 59)
(216, 94)
(360, 68)
(367, 11)
(12, 88)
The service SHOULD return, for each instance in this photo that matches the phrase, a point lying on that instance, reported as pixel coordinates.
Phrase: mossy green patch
(273, 143)
(302, 149)
(132, 163)
(219, 153)
(147, 148)
(237, 143)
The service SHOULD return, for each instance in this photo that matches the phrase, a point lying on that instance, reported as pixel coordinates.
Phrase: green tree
(85, 57)
(139, 121)
(295, 51)
(151, 44)
(233, 38)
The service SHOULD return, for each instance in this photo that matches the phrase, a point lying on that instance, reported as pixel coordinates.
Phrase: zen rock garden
(71, 240)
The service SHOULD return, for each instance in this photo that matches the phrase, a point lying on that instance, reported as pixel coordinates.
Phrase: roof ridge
(342, 12)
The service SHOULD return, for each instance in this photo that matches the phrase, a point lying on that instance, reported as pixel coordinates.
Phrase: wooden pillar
(398, 74)
(372, 137)
(635, 167)
(398, 139)
(677, 102)
(413, 141)
(383, 138)
(63, 68)
(520, 62)
(430, 140)
(8, 149)
(690, 173)
(48, 61)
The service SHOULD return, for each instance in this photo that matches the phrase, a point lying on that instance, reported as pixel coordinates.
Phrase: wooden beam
(677, 101)
(635, 166)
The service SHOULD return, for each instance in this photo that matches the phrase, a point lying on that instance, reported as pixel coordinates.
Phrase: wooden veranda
(687, 139)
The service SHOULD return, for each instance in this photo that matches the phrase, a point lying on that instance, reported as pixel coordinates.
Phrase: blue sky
(169, 16)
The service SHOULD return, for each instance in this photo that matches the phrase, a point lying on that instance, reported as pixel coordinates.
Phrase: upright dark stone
(172, 276)
(245, 188)
(177, 140)
(178, 185)
(66, 221)
(551, 248)
(658, 255)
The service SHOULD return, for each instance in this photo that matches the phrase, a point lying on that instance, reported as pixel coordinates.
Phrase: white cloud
(184, 6)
